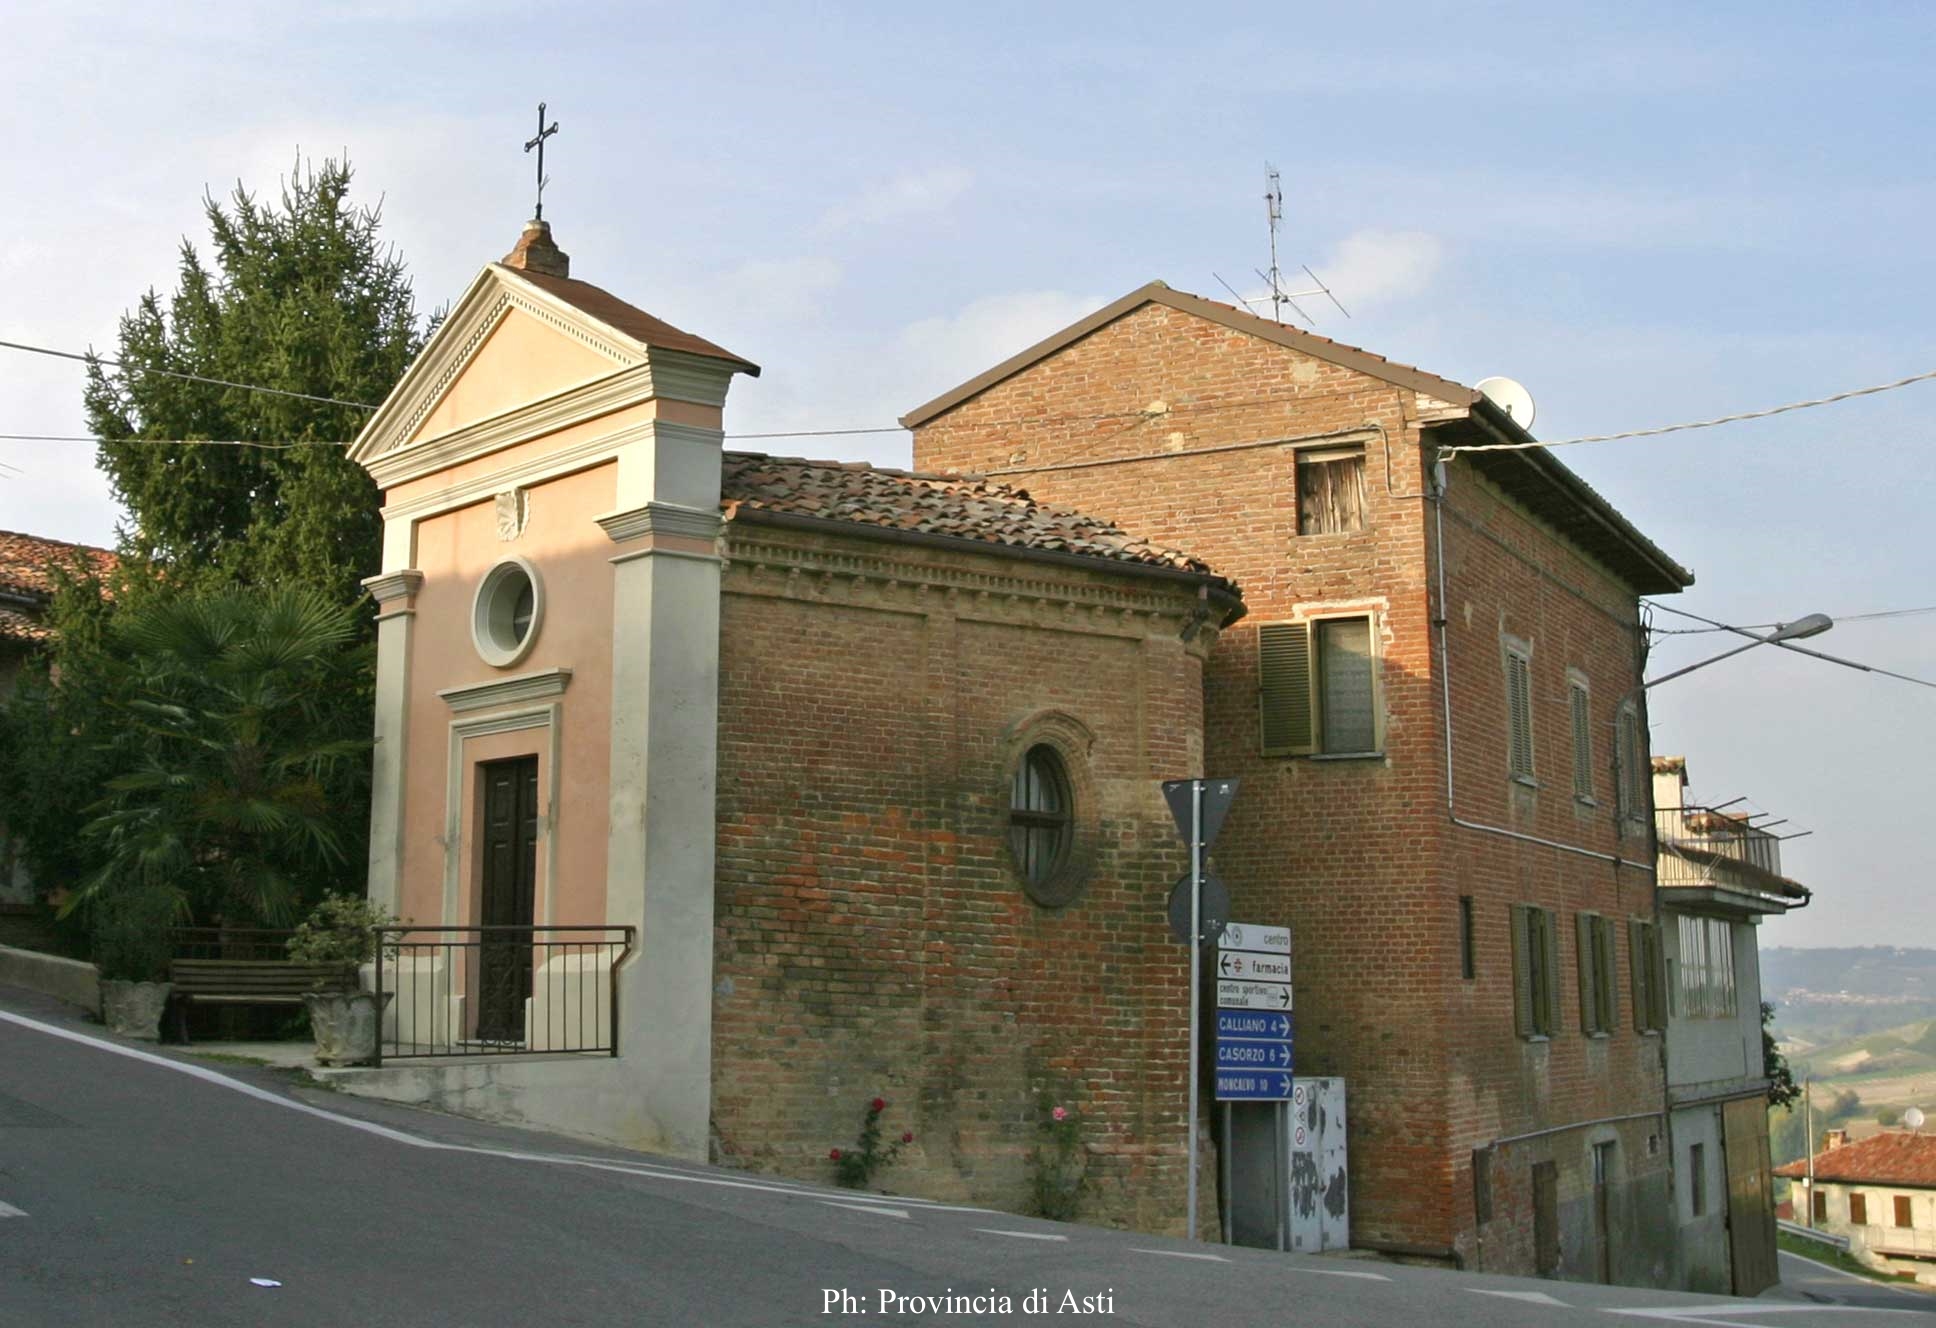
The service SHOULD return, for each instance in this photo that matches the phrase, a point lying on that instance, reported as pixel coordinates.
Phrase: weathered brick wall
(1359, 855)
(1509, 575)
(873, 936)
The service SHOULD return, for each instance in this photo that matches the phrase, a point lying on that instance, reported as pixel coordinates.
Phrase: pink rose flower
(878, 1104)
(1060, 1113)
(908, 1138)
(833, 1155)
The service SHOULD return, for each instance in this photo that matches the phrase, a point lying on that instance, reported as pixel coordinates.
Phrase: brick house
(783, 783)
(1880, 1192)
(1464, 954)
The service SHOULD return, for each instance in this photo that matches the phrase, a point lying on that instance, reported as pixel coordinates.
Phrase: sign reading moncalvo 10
(1254, 1019)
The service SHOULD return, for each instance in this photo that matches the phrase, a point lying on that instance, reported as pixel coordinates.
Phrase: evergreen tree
(302, 298)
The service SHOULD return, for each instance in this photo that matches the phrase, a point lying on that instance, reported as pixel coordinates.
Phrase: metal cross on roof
(538, 143)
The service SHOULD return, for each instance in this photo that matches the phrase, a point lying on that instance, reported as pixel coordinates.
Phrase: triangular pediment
(506, 345)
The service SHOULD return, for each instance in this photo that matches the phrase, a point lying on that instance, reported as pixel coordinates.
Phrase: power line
(1790, 645)
(193, 378)
(1702, 424)
(1838, 617)
(167, 442)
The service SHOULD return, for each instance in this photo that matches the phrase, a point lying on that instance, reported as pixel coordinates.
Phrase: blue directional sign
(1244, 1086)
(1236, 1054)
(1252, 1024)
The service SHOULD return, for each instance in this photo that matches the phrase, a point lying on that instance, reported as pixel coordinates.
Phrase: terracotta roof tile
(16, 626)
(634, 322)
(958, 506)
(26, 561)
(1894, 1157)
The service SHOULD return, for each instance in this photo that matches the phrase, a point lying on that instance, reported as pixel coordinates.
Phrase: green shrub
(340, 930)
(128, 934)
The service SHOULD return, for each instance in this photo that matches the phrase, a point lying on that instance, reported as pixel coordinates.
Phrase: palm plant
(244, 714)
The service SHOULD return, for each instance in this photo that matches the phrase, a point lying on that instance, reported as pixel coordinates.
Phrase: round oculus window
(506, 614)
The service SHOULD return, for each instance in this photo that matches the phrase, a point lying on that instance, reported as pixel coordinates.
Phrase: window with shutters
(1649, 991)
(1331, 491)
(1580, 701)
(1858, 1210)
(1697, 1179)
(1318, 687)
(1631, 776)
(1536, 966)
(1594, 934)
(1820, 1205)
(1519, 710)
(1902, 1211)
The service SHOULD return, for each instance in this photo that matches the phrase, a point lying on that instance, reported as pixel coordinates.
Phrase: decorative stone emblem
(513, 510)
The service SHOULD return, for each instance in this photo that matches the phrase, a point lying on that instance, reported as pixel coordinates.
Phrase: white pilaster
(394, 592)
(665, 733)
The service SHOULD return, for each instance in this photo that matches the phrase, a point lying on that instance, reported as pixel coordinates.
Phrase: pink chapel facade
(866, 762)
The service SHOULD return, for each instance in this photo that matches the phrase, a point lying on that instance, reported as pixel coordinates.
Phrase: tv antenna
(1276, 293)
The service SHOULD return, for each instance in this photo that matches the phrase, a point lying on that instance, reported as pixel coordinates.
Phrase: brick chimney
(535, 252)
(1834, 1139)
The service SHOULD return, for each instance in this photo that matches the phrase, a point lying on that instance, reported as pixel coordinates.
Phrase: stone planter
(345, 1025)
(133, 1009)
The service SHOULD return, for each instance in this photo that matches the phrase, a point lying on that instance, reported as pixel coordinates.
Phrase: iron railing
(1701, 846)
(497, 991)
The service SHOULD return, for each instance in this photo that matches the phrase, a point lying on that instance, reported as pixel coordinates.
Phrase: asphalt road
(139, 1186)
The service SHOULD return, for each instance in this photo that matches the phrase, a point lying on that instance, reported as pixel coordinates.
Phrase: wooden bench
(250, 982)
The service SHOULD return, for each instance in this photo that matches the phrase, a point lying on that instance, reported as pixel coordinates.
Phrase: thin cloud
(908, 195)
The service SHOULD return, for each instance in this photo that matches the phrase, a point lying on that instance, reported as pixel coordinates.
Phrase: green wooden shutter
(1582, 743)
(1656, 980)
(1637, 962)
(1589, 1003)
(1522, 973)
(1284, 691)
(1552, 942)
(1606, 957)
(1519, 714)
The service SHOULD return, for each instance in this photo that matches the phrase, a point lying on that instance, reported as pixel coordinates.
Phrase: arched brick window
(1040, 814)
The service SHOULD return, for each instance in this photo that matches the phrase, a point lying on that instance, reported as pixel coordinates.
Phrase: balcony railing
(1913, 1242)
(1700, 846)
(497, 991)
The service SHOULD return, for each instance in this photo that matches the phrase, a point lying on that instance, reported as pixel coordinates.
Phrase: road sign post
(1199, 806)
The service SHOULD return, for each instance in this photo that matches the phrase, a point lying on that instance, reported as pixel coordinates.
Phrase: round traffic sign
(1213, 911)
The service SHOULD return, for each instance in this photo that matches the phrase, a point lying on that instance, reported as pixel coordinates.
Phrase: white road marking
(647, 1171)
(1182, 1254)
(867, 1208)
(8, 1210)
(1712, 1313)
(1531, 1297)
(1020, 1235)
(1338, 1272)
(1857, 1278)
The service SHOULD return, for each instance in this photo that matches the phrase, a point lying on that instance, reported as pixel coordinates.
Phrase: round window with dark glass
(505, 615)
(1040, 825)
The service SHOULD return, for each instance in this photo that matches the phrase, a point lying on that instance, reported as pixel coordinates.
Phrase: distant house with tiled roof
(29, 566)
(1880, 1192)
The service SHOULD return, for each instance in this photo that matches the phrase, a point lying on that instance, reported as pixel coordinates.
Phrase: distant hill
(1830, 995)
(1870, 970)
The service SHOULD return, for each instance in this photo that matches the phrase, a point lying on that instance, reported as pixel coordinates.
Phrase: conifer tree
(301, 297)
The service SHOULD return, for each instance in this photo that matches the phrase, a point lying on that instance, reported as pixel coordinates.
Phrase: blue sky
(1646, 213)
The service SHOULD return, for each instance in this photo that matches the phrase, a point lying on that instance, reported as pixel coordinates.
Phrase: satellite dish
(1510, 397)
(1913, 1118)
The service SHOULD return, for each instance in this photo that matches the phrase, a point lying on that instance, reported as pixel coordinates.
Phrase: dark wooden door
(1603, 1207)
(1751, 1200)
(510, 851)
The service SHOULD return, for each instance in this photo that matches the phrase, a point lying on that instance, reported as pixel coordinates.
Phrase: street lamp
(1813, 625)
